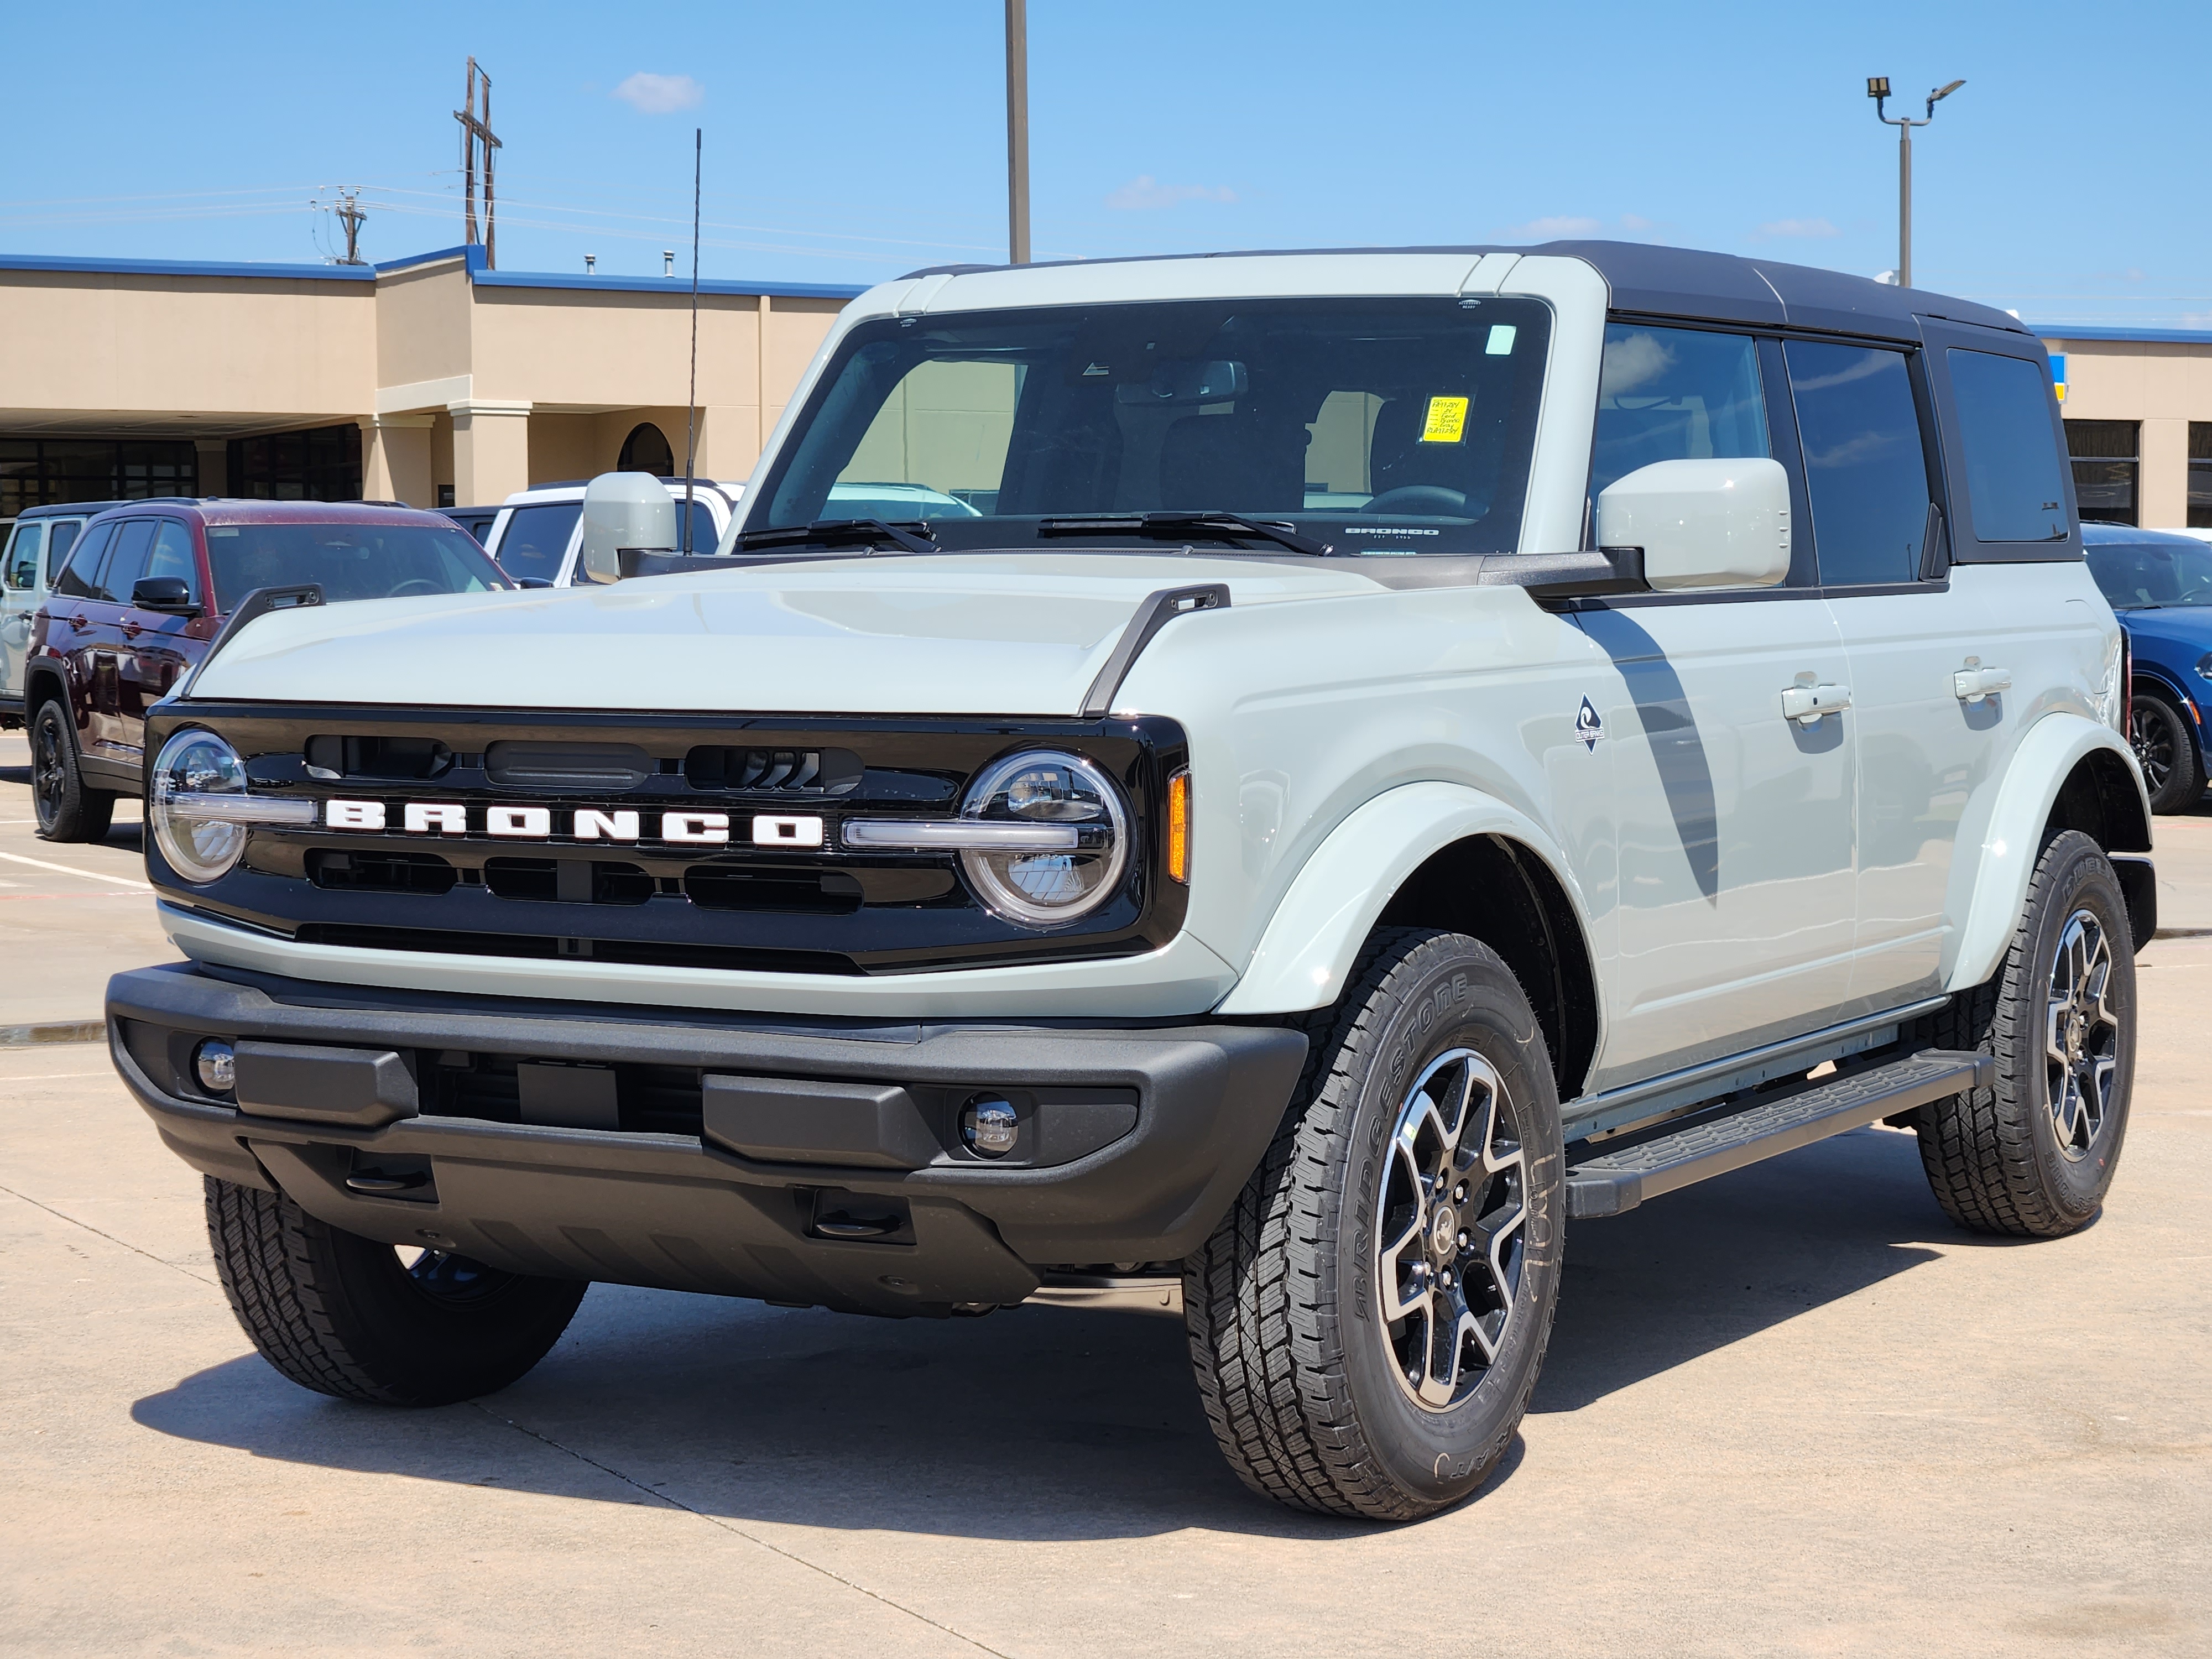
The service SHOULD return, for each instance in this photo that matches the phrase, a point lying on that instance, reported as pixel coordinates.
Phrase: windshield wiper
(1167, 526)
(842, 533)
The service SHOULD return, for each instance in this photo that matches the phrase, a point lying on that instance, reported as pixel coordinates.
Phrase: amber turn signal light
(1179, 827)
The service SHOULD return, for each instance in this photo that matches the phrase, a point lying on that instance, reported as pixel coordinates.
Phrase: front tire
(2159, 732)
(66, 810)
(340, 1314)
(1368, 1320)
(2033, 1157)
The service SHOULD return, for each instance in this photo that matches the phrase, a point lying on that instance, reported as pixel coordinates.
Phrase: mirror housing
(622, 509)
(1702, 523)
(171, 595)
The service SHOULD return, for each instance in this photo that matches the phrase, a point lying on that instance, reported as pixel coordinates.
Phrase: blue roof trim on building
(675, 285)
(2148, 336)
(473, 256)
(281, 273)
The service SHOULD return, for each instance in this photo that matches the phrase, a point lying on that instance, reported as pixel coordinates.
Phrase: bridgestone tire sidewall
(2078, 877)
(1466, 1001)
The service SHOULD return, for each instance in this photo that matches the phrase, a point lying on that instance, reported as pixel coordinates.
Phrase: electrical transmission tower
(478, 136)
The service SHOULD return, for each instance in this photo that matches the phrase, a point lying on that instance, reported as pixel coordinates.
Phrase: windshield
(347, 561)
(2137, 575)
(1385, 427)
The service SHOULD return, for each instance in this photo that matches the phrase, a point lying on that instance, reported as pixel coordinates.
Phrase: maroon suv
(146, 592)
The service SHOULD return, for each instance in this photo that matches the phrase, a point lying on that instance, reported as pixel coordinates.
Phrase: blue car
(2161, 583)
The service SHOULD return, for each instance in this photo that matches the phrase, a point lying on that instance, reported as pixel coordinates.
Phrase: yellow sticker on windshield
(1446, 421)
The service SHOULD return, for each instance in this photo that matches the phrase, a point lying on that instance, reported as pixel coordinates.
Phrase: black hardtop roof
(1688, 282)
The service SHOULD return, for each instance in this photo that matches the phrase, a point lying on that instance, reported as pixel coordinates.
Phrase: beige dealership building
(436, 381)
(431, 380)
(2138, 408)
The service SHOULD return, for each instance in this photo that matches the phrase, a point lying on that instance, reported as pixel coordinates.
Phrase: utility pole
(476, 134)
(691, 406)
(1878, 89)
(351, 217)
(1018, 132)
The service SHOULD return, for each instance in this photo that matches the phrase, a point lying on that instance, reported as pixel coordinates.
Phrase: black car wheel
(65, 809)
(1368, 1320)
(348, 1316)
(2160, 734)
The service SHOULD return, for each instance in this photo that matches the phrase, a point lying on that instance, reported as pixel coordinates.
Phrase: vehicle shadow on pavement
(1693, 1272)
(1044, 1422)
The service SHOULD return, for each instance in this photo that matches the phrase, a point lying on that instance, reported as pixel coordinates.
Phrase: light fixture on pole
(1878, 89)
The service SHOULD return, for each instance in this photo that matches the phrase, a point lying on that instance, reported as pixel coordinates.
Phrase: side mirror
(1702, 524)
(622, 509)
(170, 594)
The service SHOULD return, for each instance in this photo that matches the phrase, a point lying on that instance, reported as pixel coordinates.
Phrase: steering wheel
(2191, 596)
(414, 585)
(1430, 499)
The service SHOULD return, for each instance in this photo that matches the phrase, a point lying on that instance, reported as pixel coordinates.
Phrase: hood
(973, 634)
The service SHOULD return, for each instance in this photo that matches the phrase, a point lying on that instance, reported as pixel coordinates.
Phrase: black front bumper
(795, 1161)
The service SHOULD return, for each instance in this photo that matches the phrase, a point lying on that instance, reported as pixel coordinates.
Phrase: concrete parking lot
(1792, 1410)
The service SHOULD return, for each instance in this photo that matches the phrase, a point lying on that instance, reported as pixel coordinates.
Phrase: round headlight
(1064, 792)
(196, 774)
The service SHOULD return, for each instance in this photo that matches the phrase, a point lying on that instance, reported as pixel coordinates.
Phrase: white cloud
(1146, 191)
(659, 95)
(1795, 228)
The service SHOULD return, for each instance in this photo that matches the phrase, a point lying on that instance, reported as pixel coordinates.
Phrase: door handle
(1810, 704)
(1974, 682)
(79, 620)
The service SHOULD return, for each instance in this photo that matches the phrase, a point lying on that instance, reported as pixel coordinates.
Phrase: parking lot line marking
(71, 870)
(712, 1520)
(48, 1077)
(110, 1237)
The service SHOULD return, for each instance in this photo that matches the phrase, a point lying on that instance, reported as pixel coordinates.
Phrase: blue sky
(848, 143)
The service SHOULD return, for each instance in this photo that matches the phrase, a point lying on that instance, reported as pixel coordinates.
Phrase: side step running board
(1611, 1182)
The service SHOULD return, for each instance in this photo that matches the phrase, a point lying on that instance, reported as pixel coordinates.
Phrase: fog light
(989, 1126)
(216, 1066)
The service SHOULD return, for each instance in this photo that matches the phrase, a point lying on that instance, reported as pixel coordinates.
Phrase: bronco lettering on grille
(423, 818)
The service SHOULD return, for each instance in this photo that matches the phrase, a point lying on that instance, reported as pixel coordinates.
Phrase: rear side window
(23, 554)
(537, 539)
(80, 578)
(59, 540)
(1676, 394)
(1865, 467)
(2013, 488)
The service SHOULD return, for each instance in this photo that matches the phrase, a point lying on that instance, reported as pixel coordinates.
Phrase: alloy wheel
(2081, 1036)
(1449, 1227)
(2152, 735)
(49, 779)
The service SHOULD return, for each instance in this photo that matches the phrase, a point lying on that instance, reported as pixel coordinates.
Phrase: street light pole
(1878, 89)
(1018, 132)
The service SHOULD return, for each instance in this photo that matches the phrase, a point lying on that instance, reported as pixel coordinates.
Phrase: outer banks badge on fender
(1587, 727)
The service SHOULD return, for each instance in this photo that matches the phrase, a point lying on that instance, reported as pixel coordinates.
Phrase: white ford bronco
(1409, 750)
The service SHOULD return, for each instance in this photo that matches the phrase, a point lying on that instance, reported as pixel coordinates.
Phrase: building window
(647, 451)
(319, 466)
(2200, 475)
(2105, 468)
(47, 471)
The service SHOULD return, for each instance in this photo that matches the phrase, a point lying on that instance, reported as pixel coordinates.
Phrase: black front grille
(380, 872)
(779, 771)
(654, 953)
(773, 887)
(394, 759)
(572, 881)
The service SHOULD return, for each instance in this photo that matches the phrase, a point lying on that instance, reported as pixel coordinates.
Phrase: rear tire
(339, 1313)
(66, 809)
(1418, 1169)
(2033, 1157)
(2160, 734)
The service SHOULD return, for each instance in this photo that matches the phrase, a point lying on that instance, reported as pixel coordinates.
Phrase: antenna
(692, 407)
